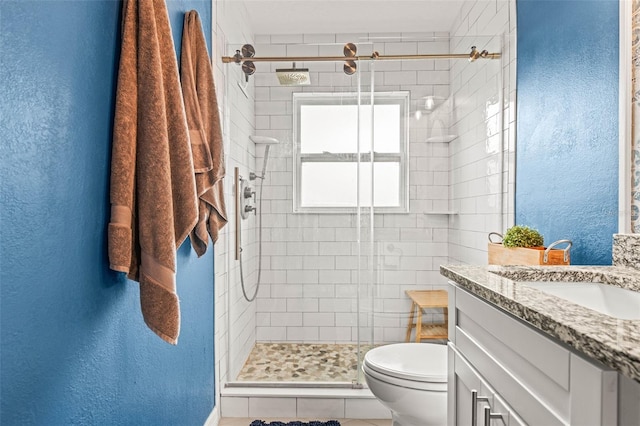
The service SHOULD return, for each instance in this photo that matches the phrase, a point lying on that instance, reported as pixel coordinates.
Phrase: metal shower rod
(245, 56)
(229, 59)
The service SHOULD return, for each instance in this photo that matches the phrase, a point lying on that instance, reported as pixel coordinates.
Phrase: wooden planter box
(500, 255)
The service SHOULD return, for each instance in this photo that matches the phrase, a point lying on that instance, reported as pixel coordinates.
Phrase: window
(327, 159)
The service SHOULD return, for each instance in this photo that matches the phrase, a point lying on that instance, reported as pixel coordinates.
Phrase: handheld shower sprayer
(267, 142)
(244, 193)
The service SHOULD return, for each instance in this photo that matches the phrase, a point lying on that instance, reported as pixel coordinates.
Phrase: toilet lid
(423, 362)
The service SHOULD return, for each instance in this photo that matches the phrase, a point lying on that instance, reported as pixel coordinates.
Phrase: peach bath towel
(153, 190)
(203, 118)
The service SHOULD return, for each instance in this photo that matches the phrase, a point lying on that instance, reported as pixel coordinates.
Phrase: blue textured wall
(74, 348)
(567, 123)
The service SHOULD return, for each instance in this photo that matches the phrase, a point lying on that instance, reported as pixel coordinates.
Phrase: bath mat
(296, 423)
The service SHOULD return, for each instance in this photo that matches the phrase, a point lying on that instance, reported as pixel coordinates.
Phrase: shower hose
(242, 285)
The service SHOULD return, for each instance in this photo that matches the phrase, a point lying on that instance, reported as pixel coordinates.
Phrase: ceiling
(351, 16)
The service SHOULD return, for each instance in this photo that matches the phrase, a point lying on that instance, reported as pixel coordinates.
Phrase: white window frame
(401, 98)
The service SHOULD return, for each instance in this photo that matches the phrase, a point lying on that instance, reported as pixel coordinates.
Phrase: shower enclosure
(386, 167)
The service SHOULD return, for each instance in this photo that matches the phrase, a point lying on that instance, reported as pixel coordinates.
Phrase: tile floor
(343, 422)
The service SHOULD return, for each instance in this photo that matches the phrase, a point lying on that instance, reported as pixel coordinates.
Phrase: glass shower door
(303, 328)
(384, 197)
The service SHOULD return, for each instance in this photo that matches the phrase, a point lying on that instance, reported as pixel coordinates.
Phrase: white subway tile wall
(233, 342)
(482, 173)
(313, 258)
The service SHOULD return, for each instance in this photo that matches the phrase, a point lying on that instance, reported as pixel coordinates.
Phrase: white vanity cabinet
(521, 374)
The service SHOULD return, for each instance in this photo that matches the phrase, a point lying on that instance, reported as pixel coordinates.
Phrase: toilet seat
(412, 365)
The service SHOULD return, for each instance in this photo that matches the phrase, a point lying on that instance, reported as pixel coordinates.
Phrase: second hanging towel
(203, 119)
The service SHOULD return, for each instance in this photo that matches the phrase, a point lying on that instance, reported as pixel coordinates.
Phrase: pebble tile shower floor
(301, 362)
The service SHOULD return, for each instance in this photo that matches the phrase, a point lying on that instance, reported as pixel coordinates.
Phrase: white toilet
(410, 379)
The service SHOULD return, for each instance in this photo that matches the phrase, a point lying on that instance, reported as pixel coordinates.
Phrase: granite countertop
(612, 341)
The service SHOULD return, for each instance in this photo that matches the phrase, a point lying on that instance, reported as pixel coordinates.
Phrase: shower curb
(297, 402)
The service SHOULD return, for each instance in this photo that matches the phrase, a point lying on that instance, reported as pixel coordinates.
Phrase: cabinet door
(467, 410)
(472, 395)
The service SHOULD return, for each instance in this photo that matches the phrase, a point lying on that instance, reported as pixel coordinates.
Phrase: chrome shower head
(293, 76)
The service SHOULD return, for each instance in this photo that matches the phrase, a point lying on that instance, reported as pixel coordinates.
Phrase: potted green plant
(522, 236)
(522, 245)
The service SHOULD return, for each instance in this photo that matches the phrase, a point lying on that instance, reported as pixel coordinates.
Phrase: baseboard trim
(214, 417)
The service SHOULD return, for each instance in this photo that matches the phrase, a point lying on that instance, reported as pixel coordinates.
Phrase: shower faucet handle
(249, 209)
(248, 192)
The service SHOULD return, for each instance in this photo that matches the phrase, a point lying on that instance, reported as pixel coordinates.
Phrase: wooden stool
(422, 299)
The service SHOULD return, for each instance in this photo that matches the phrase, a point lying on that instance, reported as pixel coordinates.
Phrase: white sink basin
(607, 299)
